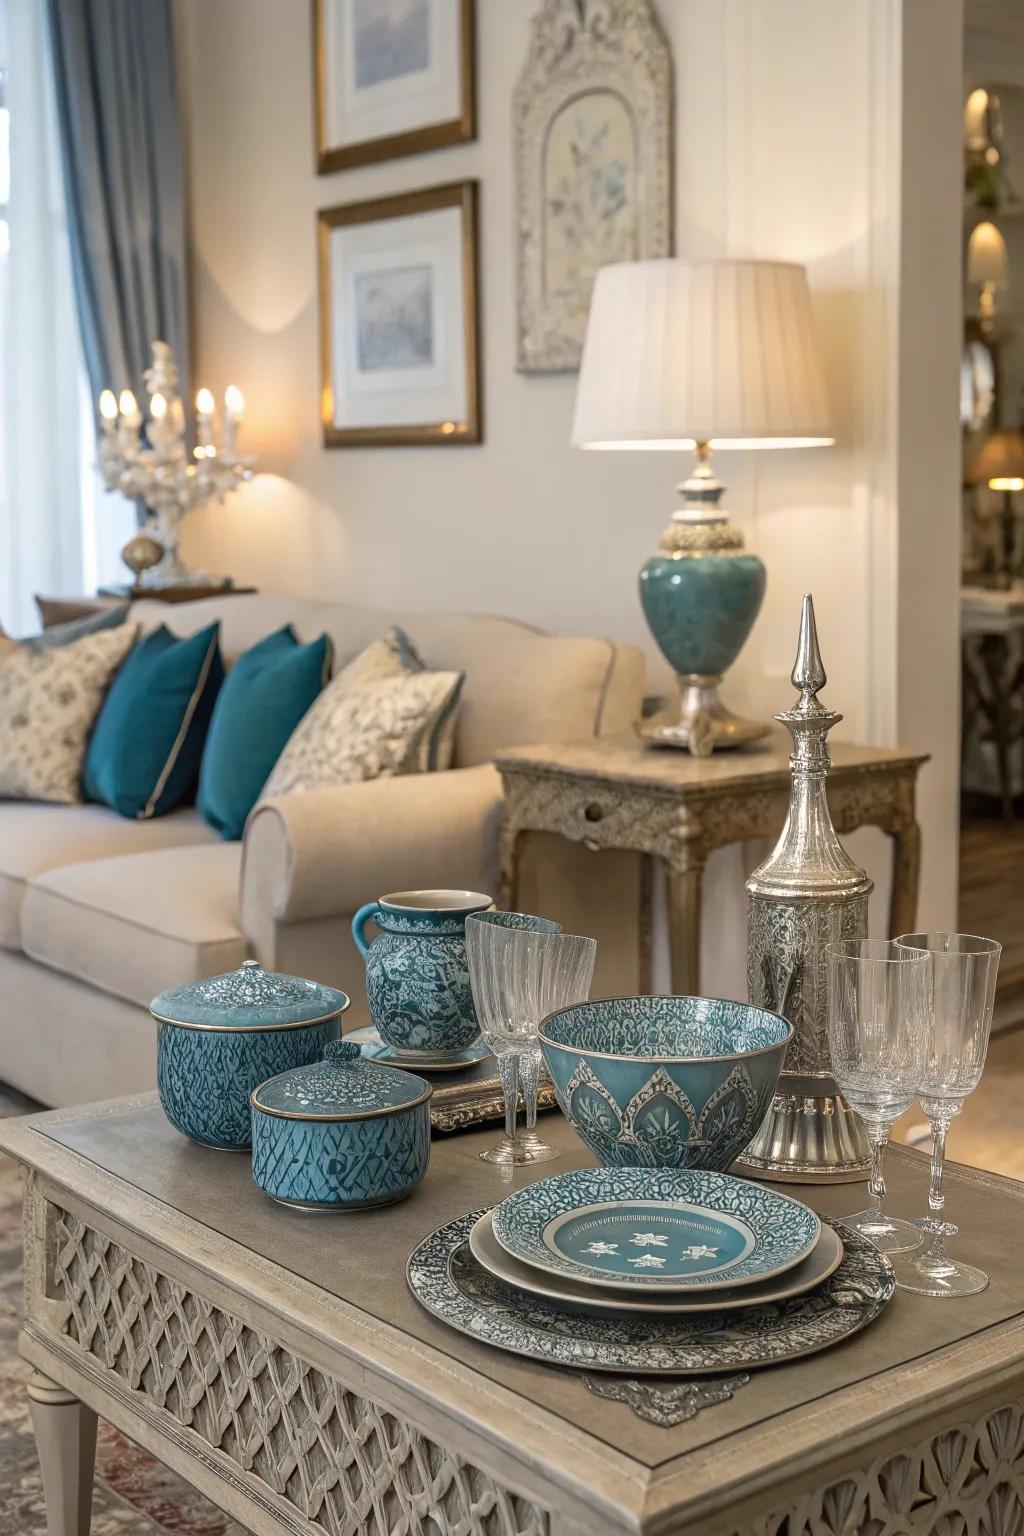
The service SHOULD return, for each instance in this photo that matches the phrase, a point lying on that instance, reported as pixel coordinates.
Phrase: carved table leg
(65, 1431)
(906, 869)
(684, 884)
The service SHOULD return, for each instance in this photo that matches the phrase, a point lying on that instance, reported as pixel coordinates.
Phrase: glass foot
(888, 1233)
(941, 1228)
(516, 1154)
(939, 1275)
(540, 1151)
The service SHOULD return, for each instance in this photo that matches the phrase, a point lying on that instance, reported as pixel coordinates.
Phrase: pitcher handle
(359, 923)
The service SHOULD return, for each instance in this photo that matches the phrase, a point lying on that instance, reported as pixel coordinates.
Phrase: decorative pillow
(395, 656)
(264, 697)
(48, 703)
(144, 755)
(374, 721)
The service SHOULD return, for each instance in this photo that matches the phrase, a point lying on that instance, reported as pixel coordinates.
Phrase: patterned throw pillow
(48, 703)
(380, 716)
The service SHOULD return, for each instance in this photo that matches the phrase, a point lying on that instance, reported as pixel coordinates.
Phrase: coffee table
(279, 1363)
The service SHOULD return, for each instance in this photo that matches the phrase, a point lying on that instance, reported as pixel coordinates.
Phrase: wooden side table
(60, 610)
(617, 793)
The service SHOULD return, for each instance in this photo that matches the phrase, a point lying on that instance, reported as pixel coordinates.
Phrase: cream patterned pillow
(375, 720)
(48, 703)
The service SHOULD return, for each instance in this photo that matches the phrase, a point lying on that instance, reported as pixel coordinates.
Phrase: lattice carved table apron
(279, 1363)
(664, 804)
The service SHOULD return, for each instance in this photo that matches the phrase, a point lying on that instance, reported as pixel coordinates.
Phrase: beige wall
(789, 127)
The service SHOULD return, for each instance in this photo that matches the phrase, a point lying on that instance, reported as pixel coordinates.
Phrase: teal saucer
(376, 1049)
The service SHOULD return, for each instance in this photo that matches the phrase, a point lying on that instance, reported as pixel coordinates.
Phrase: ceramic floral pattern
(446, 1279)
(338, 1163)
(419, 992)
(660, 1127)
(666, 1026)
(205, 1076)
(783, 1229)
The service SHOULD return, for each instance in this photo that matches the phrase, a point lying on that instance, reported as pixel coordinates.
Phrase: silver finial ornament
(807, 893)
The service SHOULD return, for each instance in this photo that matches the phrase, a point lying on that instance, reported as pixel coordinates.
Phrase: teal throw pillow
(265, 695)
(144, 754)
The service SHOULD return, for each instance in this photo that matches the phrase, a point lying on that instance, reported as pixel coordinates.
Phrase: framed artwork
(392, 77)
(593, 147)
(399, 321)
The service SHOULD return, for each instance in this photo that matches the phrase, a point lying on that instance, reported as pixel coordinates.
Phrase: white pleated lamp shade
(679, 352)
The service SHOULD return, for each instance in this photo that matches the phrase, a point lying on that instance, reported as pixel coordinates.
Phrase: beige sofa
(98, 914)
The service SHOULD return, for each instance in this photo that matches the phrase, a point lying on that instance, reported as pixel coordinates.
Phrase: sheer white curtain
(47, 492)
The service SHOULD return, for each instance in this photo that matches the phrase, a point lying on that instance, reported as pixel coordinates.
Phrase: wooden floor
(992, 903)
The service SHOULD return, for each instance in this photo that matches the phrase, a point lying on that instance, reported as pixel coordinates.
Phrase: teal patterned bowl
(341, 1134)
(665, 1082)
(218, 1038)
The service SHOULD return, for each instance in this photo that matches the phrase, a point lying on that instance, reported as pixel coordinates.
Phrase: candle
(158, 407)
(108, 410)
(204, 418)
(234, 405)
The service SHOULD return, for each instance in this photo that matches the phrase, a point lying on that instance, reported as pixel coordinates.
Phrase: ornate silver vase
(807, 893)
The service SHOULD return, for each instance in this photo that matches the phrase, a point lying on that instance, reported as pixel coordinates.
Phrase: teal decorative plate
(821, 1262)
(376, 1049)
(655, 1229)
(445, 1278)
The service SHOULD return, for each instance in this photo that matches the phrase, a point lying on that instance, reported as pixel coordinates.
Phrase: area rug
(134, 1494)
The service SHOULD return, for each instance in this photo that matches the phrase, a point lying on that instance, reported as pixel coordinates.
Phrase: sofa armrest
(322, 853)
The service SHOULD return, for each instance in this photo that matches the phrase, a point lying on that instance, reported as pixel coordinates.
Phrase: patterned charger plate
(446, 1279)
(375, 1049)
(821, 1262)
(655, 1229)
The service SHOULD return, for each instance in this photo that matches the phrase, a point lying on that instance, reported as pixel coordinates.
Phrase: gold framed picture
(399, 319)
(392, 77)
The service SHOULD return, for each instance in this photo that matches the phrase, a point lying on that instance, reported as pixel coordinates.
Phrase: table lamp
(999, 464)
(701, 355)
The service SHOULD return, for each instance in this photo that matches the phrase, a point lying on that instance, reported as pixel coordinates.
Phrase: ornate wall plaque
(593, 146)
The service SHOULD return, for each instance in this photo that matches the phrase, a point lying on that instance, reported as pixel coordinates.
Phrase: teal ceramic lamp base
(700, 594)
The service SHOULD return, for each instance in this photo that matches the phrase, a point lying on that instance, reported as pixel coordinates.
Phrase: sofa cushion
(263, 699)
(138, 924)
(48, 702)
(35, 838)
(144, 754)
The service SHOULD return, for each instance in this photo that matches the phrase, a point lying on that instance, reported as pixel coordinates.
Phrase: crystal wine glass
(522, 968)
(964, 970)
(878, 1022)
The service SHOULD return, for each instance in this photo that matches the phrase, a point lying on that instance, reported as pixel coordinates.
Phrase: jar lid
(343, 1086)
(249, 999)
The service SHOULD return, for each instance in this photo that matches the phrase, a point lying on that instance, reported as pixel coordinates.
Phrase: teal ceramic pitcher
(417, 978)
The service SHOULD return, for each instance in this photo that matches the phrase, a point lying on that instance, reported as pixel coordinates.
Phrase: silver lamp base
(704, 725)
(808, 1136)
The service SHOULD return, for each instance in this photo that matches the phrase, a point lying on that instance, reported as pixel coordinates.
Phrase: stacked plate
(651, 1270)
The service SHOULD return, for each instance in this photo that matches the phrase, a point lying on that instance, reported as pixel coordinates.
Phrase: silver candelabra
(149, 461)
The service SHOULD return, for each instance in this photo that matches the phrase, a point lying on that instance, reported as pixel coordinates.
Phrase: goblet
(521, 969)
(964, 970)
(877, 1026)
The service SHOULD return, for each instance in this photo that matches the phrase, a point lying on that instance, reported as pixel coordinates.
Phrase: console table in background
(663, 803)
(992, 635)
(61, 610)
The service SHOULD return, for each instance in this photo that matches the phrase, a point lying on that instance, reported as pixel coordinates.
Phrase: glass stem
(529, 1073)
(936, 1198)
(878, 1136)
(508, 1070)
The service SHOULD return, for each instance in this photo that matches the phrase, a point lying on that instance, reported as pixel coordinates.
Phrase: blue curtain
(121, 149)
